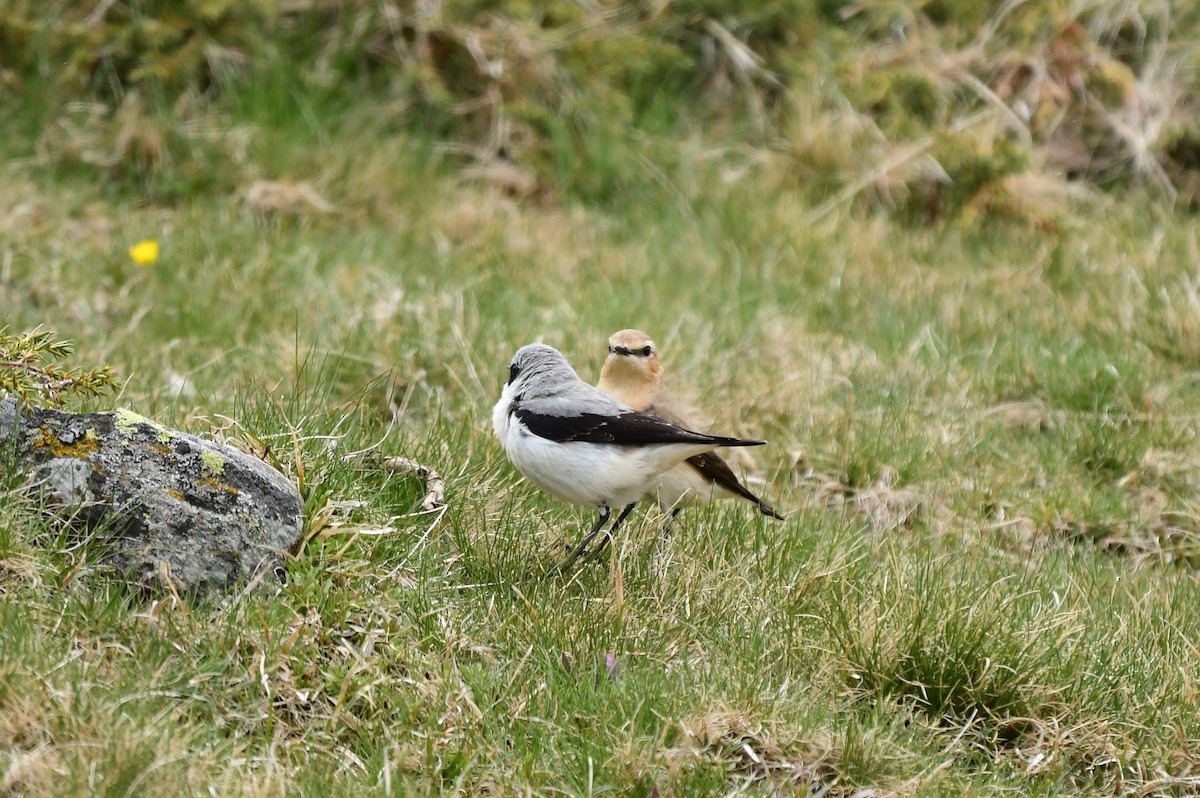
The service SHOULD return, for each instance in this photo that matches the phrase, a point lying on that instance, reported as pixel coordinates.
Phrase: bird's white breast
(500, 415)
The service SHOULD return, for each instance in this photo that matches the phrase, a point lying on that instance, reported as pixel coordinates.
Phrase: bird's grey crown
(542, 371)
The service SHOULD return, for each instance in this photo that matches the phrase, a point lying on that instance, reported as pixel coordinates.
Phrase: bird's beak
(620, 350)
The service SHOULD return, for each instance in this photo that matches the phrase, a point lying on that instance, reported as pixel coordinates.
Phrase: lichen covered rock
(203, 513)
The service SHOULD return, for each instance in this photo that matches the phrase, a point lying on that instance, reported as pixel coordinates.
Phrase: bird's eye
(646, 350)
(611, 349)
(513, 371)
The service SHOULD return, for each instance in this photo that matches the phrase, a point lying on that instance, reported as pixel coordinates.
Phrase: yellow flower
(144, 253)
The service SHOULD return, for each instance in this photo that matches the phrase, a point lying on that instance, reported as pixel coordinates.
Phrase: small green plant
(29, 372)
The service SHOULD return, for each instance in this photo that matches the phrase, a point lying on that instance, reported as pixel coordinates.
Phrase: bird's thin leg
(669, 524)
(609, 534)
(582, 547)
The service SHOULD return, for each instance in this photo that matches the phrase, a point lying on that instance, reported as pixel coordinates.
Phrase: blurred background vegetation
(928, 108)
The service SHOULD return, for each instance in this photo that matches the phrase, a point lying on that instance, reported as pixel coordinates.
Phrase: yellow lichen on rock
(79, 448)
(209, 482)
(213, 462)
(127, 420)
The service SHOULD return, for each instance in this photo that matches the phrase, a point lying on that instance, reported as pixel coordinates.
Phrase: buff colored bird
(632, 374)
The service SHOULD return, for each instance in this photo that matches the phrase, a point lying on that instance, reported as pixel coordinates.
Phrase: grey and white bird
(581, 445)
(632, 373)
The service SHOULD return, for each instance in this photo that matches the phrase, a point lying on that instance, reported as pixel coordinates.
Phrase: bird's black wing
(626, 429)
(713, 468)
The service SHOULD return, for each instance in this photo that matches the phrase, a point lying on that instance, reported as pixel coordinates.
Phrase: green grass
(983, 434)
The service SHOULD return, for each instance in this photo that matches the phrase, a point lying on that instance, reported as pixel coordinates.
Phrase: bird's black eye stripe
(513, 371)
(646, 350)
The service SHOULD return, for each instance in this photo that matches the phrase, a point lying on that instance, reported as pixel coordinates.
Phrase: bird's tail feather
(721, 440)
